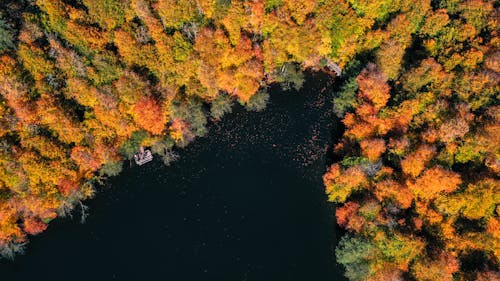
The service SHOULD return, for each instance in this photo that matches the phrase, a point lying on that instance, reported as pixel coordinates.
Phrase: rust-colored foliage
(86, 159)
(11, 232)
(437, 177)
(372, 148)
(373, 87)
(149, 115)
(67, 186)
(345, 213)
(34, 226)
(86, 84)
(394, 192)
(441, 268)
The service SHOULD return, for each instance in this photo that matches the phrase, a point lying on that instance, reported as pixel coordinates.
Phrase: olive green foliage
(160, 147)
(105, 70)
(101, 78)
(290, 76)
(108, 14)
(193, 113)
(6, 37)
(258, 102)
(220, 106)
(355, 254)
(164, 149)
(111, 169)
(131, 146)
(373, 9)
(354, 161)
(224, 3)
(272, 4)
(345, 100)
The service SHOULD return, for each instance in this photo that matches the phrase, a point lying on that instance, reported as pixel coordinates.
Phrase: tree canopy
(84, 84)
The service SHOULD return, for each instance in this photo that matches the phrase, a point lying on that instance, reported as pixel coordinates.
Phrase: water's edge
(246, 202)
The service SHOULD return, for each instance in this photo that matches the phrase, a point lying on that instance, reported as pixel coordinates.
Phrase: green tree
(272, 4)
(290, 76)
(346, 99)
(355, 254)
(220, 106)
(111, 169)
(131, 146)
(6, 37)
(258, 102)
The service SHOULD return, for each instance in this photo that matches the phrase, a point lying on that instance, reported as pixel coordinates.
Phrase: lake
(246, 202)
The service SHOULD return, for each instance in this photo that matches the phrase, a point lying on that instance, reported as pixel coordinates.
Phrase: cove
(245, 202)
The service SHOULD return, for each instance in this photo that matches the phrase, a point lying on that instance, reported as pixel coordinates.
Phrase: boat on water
(143, 156)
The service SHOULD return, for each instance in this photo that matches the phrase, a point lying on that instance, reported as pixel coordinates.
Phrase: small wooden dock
(143, 156)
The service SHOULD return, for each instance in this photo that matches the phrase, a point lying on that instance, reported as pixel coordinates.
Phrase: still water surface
(246, 203)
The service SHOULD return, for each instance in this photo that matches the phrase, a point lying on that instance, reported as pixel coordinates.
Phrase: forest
(415, 176)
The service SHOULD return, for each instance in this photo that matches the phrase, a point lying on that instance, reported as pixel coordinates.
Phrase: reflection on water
(245, 202)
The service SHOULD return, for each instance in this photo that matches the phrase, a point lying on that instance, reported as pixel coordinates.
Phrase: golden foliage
(414, 163)
(341, 183)
(434, 181)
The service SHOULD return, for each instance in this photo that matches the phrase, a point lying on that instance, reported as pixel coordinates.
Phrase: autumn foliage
(84, 84)
(422, 136)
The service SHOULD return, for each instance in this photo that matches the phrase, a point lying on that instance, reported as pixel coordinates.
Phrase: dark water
(246, 202)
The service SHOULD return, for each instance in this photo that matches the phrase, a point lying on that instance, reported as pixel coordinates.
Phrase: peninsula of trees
(84, 83)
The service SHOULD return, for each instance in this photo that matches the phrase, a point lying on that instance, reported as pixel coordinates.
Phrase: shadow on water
(246, 202)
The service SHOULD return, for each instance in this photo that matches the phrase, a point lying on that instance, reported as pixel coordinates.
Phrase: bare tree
(84, 212)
